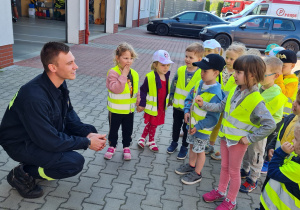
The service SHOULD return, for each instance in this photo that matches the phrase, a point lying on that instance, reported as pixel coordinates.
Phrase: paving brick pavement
(147, 181)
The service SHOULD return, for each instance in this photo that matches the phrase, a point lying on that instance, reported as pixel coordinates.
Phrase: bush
(207, 5)
(219, 8)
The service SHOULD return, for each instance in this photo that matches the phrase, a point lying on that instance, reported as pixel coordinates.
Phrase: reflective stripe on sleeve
(43, 175)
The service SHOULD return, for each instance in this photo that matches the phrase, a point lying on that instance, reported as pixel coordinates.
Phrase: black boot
(24, 183)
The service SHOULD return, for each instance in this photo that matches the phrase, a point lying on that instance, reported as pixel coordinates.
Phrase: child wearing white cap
(154, 97)
(211, 46)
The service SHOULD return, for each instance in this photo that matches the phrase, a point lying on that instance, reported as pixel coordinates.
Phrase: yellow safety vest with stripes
(181, 90)
(151, 99)
(198, 114)
(288, 105)
(229, 85)
(276, 195)
(237, 124)
(278, 140)
(276, 103)
(123, 103)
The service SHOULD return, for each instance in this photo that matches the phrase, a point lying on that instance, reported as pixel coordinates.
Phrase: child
(201, 122)
(211, 46)
(246, 120)
(275, 100)
(281, 191)
(274, 51)
(183, 81)
(227, 81)
(122, 84)
(154, 97)
(270, 47)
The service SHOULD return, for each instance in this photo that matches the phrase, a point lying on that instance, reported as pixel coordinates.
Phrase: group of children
(239, 100)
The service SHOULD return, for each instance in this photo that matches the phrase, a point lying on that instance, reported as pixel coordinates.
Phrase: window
(237, 4)
(203, 17)
(260, 10)
(258, 23)
(187, 16)
(226, 4)
(283, 25)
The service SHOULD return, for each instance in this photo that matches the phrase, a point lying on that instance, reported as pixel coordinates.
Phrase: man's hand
(199, 100)
(187, 118)
(125, 70)
(287, 147)
(244, 140)
(193, 131)
(270, 154)
(98, 141)
(140, 109)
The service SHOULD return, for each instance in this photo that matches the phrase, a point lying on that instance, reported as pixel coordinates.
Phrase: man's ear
(52, 67)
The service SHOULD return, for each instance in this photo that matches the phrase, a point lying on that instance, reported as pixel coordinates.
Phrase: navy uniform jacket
(42, 114)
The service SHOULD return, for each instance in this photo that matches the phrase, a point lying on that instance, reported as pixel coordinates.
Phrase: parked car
(257, 31)
(188, 23)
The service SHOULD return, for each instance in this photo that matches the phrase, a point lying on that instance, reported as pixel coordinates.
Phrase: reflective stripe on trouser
(43, 175)
(254, 158)
(276, 196)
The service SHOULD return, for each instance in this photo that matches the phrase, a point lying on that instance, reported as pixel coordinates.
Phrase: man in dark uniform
(40, 129)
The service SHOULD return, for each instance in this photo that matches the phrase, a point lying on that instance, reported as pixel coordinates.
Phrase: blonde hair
(153, 65)
(253, 51)
(123, 47)
(274, 63)
(196, 48)
(238, 48)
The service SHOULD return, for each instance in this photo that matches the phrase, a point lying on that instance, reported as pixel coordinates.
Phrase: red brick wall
(6, 56)
(82, 37)
(116, 27)
(142, 22)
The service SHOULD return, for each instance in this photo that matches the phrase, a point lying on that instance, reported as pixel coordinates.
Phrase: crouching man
(40, 129)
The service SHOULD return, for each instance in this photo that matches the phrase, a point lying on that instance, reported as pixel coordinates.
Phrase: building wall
(173, 7)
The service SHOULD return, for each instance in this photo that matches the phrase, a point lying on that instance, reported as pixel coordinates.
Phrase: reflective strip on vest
(120, 107)
(229, 85)
(276, 196)
(43, 175)
(288, 106)
(278, 142)
(119, 96)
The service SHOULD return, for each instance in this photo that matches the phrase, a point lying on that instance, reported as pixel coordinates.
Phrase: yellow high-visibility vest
(198, 114)
(229, 85)
(288, 105)
(123, 103)
(181, 90)
(151, 99)
(237, 124)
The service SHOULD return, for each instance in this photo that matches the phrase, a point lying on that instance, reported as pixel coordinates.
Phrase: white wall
(129, 13)
(143, 13)
(6, 35)
(76, 19)
(110, 15)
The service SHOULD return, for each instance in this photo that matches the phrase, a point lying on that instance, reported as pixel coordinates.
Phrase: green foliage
(216, 5)
(207, 5)
(219, 8)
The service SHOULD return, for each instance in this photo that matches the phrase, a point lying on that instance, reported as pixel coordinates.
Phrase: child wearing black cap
(200, 122)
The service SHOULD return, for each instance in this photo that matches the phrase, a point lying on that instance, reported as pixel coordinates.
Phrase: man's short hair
(50, 52)
(274, 63)
(196, 48)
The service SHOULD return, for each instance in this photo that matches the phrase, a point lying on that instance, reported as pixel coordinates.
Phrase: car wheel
(224, 40)
(291, 45)
(162, 29)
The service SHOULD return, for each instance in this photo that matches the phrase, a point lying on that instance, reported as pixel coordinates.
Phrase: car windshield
(240, 21)
(250, 7)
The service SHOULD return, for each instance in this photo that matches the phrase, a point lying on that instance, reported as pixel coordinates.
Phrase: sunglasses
(267, 75)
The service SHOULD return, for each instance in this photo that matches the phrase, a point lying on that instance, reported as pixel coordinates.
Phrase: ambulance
(279, 8)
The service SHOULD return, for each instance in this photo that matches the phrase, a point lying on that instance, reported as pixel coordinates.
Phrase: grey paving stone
(168, 204)
(105, 181)
(142, 173)
(84, 185)
(173, 179)
(93, 171)
(46, 190)
(111, 168)
(89, 206)
(113, 203)
(145, 161)
(12, 201)
(75, 201)
(153, 198)
(145, 207)
(133, 201)
(161, 159)
(26, 205)
(138, 186)
(97, 196)
(124, 177)
(118, 191)
(9, 165)
(53, 202)
(99, 160)
(243, 204)
(172, 193)
(156, 182)
(63, 189)
(5, 188)
(189, 202)
(129, 165)
(46, 183)
(189, 190)
(158, 170)
(174, 165)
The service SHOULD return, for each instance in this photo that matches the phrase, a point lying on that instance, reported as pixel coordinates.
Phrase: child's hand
(287, 147)
(125, 70)
(193, 131)
(244, 140)
(187, 118)
(199, 100)
(140, 109)
(270, 154)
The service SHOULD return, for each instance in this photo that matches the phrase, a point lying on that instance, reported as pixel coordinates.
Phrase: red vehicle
(231, 7)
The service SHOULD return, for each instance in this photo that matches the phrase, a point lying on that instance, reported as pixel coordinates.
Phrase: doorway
(97, 16)
(122, 15)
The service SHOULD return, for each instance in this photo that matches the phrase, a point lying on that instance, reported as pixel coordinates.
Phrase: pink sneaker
(127, 154)
(109, 153)
(212, 196)
(226, 205)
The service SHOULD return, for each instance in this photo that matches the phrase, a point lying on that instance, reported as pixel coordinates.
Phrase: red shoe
(141, 142)
(226, 205)
(212, 196)
(152, 146)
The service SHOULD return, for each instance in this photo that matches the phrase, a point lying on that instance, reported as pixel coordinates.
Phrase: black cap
(211, 61)
(287, 56)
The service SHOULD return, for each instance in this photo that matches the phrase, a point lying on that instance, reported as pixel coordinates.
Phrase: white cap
(162, 56)
(274, 51)
(211, 44)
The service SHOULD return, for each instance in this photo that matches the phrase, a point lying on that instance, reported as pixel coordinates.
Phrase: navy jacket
(43, 114)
